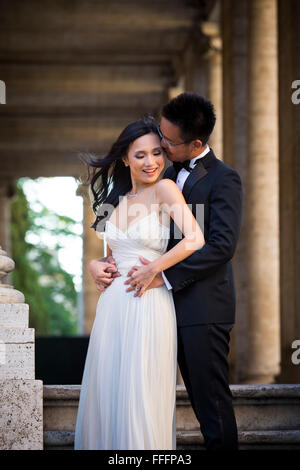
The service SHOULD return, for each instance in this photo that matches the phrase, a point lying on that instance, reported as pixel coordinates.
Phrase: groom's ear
(197, 144)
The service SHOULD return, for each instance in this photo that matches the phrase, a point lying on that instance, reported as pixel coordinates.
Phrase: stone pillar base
(21, 396)
(21, 414)
(259, 379)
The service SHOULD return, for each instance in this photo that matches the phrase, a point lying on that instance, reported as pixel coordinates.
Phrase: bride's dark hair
(113, 180)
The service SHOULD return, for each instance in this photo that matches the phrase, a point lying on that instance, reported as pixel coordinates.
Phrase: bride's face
(146, 159)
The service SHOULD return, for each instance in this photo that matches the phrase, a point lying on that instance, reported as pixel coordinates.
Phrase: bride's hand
(140, 277)
(103, 272)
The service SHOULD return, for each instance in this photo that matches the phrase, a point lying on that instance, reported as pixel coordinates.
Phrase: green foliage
(48, 289)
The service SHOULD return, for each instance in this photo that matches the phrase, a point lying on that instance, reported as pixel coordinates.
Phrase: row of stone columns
(244, 91)
(261, 59)
(239, 73)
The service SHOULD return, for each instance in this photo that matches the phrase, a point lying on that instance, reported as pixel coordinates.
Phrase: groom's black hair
(193, 114)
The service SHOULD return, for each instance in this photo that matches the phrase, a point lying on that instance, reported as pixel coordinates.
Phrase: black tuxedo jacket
(203, 284)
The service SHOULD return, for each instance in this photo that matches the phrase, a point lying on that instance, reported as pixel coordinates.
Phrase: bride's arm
(171, 199)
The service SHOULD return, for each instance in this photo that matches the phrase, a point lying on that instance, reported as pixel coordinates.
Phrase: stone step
(193, 440)
(268, 416)
(248, 440)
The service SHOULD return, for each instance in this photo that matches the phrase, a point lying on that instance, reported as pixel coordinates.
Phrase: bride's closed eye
(156, 152)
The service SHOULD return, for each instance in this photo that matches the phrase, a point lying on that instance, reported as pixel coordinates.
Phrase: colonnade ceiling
(76, 72)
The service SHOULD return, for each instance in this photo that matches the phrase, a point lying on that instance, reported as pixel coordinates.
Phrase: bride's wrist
(154, 268)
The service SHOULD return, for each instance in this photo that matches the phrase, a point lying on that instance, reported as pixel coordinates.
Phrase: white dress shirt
(181, 178)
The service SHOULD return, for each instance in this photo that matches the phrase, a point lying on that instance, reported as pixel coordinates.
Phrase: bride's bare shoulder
(166, 184)
(167, 190)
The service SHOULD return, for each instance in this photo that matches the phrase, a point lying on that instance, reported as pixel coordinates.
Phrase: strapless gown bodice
(146, 237)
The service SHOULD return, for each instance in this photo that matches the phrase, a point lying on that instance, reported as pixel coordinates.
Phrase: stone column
(262, 245)
(289, 171)
(195, 70)
(251, 146)
(203, 75)
(213, 59)
(6, 192)
(176, 89)
(21, 396)
(235, 151)
(93, 248)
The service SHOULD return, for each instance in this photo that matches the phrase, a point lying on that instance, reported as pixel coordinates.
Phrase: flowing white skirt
(128, 392)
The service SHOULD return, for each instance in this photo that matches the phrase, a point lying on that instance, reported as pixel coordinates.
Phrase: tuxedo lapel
(199, 171)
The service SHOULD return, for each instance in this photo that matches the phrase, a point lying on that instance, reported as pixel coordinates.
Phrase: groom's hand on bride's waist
(103, 272)
(157, 281)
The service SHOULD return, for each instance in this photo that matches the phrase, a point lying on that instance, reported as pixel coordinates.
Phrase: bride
(128, 392)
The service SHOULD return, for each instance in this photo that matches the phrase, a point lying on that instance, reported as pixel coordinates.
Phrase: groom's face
(176, 149)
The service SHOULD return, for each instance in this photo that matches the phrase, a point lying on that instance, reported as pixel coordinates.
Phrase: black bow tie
(186, 165)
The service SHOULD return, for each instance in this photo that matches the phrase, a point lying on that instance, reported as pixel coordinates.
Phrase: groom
(202, 284)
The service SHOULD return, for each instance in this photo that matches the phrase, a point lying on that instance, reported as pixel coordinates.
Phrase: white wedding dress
(128, 392)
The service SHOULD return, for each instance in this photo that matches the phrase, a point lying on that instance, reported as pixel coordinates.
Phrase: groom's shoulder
(224, 175)
(222, 169)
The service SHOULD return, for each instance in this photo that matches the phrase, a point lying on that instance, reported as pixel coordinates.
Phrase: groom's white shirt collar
(201, 155)
(183, 173)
